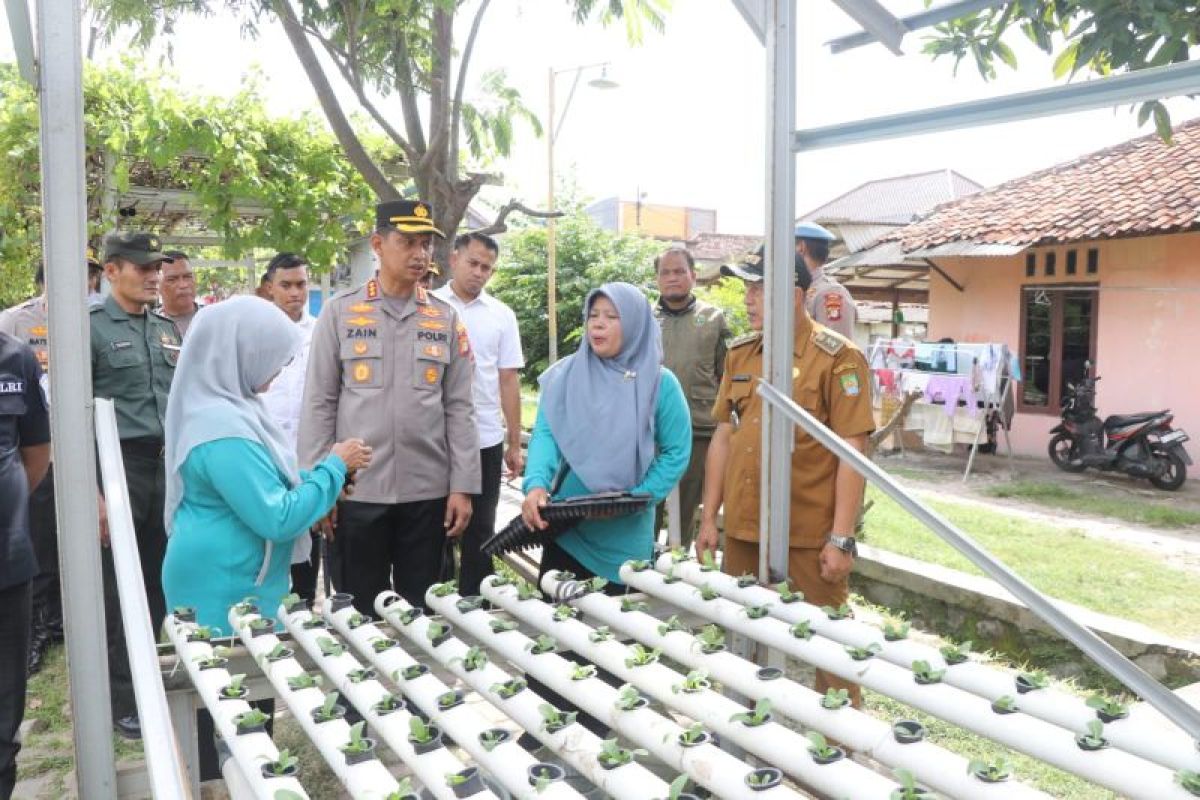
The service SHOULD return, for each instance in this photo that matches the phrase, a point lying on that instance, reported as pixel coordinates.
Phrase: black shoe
(129, 727)
(37, 655)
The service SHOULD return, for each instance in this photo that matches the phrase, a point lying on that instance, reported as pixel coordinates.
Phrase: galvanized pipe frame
(1099, 651)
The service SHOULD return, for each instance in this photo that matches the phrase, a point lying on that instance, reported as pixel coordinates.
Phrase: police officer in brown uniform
(134, 352)
(829, 303)
(830, 380)
(391, 364)
(694, 336)
(28, 322)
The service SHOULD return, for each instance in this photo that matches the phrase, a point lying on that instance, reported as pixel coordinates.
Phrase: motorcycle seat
(1121, 420)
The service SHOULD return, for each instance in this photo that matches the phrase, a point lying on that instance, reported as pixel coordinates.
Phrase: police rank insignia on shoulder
(829, 342)
(744, 339)
(362, 308)
(849, 382)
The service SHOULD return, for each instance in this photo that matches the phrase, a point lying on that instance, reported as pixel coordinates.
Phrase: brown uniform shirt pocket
(362, 363)
(429, 364)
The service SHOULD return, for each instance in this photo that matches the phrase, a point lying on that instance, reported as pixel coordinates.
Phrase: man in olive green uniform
(134, 351)
(391, 363)
(29, 323)
(829, 303)
(694, 334)
(830, 380)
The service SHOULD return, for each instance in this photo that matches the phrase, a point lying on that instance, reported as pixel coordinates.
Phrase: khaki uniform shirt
(831, 381)
(402, 383)
(29, 323)
(830, 304)
(694, 342)
(133, 363)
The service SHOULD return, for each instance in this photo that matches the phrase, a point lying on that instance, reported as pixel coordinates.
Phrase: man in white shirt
(286, 279)
(496, 343)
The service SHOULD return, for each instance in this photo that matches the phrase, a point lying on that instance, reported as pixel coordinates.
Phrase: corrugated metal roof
(897, 200)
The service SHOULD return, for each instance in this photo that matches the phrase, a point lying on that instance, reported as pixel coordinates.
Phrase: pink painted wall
(1148, 321)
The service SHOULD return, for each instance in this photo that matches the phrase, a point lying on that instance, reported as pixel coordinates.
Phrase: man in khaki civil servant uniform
(694, 335)
(391, 364)
(830, 380)
(829, 303)
(29, 322)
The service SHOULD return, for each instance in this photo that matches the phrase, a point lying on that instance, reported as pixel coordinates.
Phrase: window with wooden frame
(1058, 336)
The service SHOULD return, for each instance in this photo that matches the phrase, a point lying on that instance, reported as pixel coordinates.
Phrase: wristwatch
(847, 544)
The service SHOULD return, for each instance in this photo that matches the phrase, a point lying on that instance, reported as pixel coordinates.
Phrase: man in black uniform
(24, 457)
(134, 351)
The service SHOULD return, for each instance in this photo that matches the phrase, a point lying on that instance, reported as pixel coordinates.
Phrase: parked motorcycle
(1139, 445)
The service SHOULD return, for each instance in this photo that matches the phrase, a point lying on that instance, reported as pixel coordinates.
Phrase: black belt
(145, 446)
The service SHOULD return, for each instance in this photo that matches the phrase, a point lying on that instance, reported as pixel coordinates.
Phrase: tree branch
(500, 224)
(402, 64)
(460, 84)
(439, 83)
(342, 129)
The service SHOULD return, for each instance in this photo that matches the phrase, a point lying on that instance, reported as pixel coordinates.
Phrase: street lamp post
(553, 127)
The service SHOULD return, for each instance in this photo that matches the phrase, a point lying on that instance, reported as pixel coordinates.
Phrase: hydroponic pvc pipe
(779, 746)
(250, 750)
(706, 764)
(508, 762)
(1138, 734)
(366, 779)
(932, 765)
(575, 744)
(1114, 769)
(430, 768)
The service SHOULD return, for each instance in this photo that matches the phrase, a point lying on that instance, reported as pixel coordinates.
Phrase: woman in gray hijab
(611, 418)
(235, 501)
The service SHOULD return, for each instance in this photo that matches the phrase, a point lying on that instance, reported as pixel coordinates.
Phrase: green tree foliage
(1098, 36)
(226, 151)
(729, 295)
(587, 256)
(403, 51)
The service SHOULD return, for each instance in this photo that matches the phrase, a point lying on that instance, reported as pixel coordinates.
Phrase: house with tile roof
(1097, 259)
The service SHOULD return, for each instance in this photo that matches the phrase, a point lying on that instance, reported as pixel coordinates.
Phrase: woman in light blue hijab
(235, 501)
(616, 420)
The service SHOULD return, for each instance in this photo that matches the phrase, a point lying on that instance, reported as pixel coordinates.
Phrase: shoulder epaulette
(829, 341)
(745, 339)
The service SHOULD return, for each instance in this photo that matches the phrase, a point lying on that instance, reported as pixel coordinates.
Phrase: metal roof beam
(1131, 87)
(755, 14)
(876, 21)
(915, 22)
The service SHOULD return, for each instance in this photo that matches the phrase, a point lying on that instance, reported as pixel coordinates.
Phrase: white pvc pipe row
(575, 744)
(777, 745)
(366, 779)
(1140, 734)
(1115, 769)
(249, 750)
(508, 762)
(431, 767)
(936, 767)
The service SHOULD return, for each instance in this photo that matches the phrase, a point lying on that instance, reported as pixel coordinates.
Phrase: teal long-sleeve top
(603, 545)
(233, 531)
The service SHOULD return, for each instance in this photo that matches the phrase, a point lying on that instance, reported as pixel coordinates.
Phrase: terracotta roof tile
(1141, 186)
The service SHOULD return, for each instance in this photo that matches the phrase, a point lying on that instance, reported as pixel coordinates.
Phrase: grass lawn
(1059, 560)
(1053, 495)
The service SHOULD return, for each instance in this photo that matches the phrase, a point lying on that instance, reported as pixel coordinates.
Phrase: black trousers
(555, 558)
(475, 566)
(304, 574)
(380, 546)
(14, 651)
(147, 486)
(43, 530)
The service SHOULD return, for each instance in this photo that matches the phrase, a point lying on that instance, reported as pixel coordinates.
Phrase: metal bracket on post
(755, 14)
(779, 275)
(1099, 651)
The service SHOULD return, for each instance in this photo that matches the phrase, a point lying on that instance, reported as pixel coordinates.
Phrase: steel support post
(64, 239)
(779, 275)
